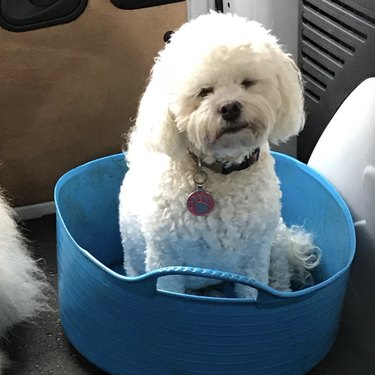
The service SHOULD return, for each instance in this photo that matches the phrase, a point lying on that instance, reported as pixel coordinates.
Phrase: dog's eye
(246, 83)
(205, 91)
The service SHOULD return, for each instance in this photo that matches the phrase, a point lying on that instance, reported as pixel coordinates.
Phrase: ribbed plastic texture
(126, 326)
(337, 47)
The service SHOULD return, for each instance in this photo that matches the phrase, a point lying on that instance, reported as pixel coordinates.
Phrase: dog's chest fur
(238, 230)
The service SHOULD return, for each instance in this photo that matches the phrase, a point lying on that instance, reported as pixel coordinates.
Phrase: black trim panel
(137, 4)
(25, 15)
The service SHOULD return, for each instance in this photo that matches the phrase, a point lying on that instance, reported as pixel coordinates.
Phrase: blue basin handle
(266, 295)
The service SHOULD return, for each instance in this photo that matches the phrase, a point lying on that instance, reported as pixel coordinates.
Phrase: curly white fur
(211, 61)
(292, 249)
(22, 283)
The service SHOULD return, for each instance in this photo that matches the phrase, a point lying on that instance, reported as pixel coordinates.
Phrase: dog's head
(221, 87)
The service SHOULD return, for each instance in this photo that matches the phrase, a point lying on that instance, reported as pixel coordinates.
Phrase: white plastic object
(345, 155)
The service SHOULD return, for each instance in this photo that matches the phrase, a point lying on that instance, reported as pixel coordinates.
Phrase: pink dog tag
(200, 202)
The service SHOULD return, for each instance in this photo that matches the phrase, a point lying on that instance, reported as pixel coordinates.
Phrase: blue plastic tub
(125, 326)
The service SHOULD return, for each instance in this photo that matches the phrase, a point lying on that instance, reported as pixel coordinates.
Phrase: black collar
(224, 168)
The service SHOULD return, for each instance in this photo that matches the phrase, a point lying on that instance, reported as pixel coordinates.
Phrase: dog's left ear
(290, 116)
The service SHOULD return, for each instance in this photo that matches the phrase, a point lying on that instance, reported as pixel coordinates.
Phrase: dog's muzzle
(231, 119)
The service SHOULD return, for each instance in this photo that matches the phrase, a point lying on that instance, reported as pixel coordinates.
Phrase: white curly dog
(22, 283)
(201, 189)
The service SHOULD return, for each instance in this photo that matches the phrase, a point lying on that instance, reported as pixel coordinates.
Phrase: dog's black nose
(230, 111)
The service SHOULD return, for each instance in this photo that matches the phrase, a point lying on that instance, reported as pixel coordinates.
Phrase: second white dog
(201, 189)
(22, 283)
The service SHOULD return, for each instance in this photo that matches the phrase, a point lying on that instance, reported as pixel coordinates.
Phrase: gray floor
(41, 347)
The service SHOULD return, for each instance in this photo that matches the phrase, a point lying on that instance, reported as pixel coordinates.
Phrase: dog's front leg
(173, 283)
(260, 274)
(244, 291)
(159, 255)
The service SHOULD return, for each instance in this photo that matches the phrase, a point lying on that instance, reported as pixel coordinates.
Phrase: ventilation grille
(332, 31)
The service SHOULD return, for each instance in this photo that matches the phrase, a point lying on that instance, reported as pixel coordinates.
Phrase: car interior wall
(68, 93)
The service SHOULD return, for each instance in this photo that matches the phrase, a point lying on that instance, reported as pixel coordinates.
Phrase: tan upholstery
(67, 92)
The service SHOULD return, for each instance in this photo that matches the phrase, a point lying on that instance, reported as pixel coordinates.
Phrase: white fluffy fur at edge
(22, 283)
(210, 61)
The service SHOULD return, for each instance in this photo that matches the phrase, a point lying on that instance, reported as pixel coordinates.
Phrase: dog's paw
(244, 291)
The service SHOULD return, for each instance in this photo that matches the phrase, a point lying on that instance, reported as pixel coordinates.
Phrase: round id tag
(200, 202)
